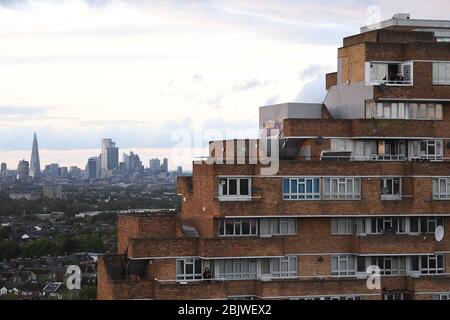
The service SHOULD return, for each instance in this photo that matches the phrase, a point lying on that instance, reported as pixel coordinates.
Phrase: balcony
(389, 243)
(389, 74)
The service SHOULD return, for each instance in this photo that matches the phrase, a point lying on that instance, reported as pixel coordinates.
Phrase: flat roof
(404, 20)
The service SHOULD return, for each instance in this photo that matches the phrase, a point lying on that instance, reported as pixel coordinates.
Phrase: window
(427, 149)
(284, 267)
(442, 296)
(390, 265)
(236, 269)
(389, 73)
(391, 188)
(234, 188)
(238, 227)
(189, 269)
(341, 188)
(441, 73)
(441, 188)
(301, 189)
(343, 265)
(380, 225)
(278, 226)
(432, 264)
(342, 226)
(403, 110)
(429, 224)
(394, 296)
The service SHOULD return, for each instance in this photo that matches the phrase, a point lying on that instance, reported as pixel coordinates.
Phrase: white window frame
(403, 110)
(441, 296)
(236, 269)
(416, 152)
(429, 260)
(300, 182)
(283, 268)
(441, 189)
(441, 73)
(342, 226)
(238, 196)
(269, 227)
(348, 270)
(182, 275)
(333, 187)
(382, 68)
(237, 224)
(391, 194)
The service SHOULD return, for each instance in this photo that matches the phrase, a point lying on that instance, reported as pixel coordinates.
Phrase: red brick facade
(319, 255)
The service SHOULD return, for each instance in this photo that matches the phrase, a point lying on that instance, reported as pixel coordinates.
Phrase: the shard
(35, 164)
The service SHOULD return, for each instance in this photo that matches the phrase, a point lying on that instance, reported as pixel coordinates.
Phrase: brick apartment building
(363, 179)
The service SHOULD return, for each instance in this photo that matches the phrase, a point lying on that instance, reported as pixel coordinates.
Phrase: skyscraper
(165, 165)
(3, 170)
(109, 156)
(155, 165)
(92, 167)
(35, 164)
(23, 170)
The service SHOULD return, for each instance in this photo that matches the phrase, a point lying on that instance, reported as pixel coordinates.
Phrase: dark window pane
(232, 187)
(243, 187)
(245, 227)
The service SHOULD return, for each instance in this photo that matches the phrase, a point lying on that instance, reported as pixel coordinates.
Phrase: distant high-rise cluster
(104, 166)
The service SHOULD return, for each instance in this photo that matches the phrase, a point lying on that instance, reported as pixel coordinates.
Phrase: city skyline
(114, 74)
(34, 159)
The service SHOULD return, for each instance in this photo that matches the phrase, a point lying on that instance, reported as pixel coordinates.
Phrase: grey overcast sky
(76, 71)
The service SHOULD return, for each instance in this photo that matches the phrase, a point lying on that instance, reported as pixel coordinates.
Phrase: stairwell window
(441, 189)
(441, 73)
(234, 189)
(301, 188)
(189, 269)
(341, 188)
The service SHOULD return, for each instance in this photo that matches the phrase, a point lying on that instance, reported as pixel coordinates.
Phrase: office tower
(155, 165)
(35, 164)
(3, 170)
(63, 171)
(179, 170)
(74, 172)
(360, 181)
(110, 156)
(132, 163)
(23, 170)
(165, 166)
(91, 168)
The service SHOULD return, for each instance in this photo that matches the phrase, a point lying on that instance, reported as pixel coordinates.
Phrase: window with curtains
(403, 110)
(341, 188)
(342, 226)
(236, 269)
(441, 188)
(427, 149)
(284, 267)
(302, 188)
(238, 227)
(277, 226)
(441, 73)
(343, 265)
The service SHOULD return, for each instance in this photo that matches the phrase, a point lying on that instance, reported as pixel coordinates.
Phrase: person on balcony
(206, 274)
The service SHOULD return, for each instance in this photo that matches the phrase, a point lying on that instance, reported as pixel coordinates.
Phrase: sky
(162, 78)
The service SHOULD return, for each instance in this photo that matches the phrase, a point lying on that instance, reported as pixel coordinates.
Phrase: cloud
(12, 111)
(250, 84)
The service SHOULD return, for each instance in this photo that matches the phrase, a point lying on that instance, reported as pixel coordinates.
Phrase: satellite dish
(439, 233)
